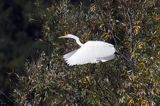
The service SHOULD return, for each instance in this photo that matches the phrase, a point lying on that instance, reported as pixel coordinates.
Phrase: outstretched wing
(92, 52)
(69, 54)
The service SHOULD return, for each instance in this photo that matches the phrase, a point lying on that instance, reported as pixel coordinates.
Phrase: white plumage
(90, 52)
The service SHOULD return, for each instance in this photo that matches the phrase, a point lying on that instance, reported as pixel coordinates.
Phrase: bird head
(73, 37)
(68, 36)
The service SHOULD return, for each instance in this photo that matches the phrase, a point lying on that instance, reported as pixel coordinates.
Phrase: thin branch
(1, 92)
(130, 32)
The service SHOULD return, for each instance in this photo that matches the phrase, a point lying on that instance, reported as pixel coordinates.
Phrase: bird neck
(78, 42)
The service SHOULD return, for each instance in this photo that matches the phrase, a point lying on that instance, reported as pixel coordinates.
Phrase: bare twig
(1, 92)
(130, 32)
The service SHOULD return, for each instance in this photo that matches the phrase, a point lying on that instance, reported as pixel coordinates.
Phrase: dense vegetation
(33, 72)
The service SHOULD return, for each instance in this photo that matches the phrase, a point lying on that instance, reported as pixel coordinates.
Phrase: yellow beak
(62, 37)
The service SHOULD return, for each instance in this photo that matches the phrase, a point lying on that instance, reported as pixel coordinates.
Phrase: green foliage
(133, 26)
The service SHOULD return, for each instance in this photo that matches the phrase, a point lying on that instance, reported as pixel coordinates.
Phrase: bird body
(90, 52)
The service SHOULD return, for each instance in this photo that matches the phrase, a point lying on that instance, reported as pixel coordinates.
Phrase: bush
(132, 78)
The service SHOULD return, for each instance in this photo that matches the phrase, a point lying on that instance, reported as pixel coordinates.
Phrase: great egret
(89, 52)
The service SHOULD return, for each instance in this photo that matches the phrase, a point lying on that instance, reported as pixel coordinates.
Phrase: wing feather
(69, 54)
(104, 59)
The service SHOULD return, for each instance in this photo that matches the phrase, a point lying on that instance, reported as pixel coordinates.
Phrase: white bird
(89, 52)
